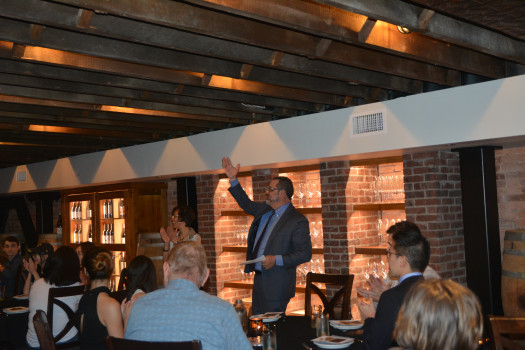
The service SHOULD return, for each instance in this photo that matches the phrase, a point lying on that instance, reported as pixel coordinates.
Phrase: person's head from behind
(182, 215)
(141, 275)
(82, 249)
(61, 268)
(11, 246)
(98, 264)
(187, 260)
(408, 251)
(437, 315)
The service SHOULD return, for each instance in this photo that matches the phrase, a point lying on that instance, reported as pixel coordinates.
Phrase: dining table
(13, 326)
(296, 333)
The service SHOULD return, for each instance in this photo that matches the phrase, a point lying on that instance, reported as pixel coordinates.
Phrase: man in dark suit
(280, 233)
(408, 255)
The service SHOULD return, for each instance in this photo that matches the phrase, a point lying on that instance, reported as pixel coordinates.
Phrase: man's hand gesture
(230, 170)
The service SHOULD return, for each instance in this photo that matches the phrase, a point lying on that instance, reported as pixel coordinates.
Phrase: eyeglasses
(389, 253)
(270, 189)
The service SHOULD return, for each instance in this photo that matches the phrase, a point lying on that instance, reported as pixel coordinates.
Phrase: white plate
(21, 297)
(347, 324)
(16, 310)
(333, 342)
(268, 317)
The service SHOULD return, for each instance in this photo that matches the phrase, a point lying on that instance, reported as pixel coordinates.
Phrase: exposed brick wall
(433, 202)
(510, 178)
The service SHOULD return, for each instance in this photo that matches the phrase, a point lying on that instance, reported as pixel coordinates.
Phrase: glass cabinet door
(80, 220)
(112, 218)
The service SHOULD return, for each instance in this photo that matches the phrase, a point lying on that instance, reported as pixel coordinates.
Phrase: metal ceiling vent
(371, 123)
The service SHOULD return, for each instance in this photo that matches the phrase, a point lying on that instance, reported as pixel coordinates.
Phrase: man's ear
(206, 275)
(166, 271)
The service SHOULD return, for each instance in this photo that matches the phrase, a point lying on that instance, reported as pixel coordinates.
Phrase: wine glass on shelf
(379, 232)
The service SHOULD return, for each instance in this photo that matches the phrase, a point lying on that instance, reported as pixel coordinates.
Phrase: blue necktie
(258, 244)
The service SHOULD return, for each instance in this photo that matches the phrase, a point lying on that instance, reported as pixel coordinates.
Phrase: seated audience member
(34, 262)
(81, 250)
(439, 315)
(141, 277)
(408, 256)
(9, 271)
(99, 314)
(182, 312)
(180, 229)
(60, 270)
(377, 285)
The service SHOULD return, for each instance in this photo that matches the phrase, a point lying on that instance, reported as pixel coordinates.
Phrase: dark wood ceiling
(79, 76)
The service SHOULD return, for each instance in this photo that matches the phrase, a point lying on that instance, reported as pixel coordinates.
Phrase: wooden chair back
(343, 294)
(54, 294)
(43, 331)
(113, 343)
(505, 330)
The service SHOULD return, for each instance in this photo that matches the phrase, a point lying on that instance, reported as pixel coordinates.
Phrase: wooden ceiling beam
(122, 28)
(197, 113)
(129, 82)
(134, 94)
(220, 25)
(125, 119)
(439, 27)
(352, 28)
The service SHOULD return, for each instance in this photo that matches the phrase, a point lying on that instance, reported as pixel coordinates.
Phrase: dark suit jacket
(290, 238)
(378, 331)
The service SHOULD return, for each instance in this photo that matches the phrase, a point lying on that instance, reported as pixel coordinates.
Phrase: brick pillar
(433, 202)
(208, 215)
(334, 179)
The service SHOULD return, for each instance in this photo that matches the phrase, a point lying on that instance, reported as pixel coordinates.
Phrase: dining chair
(113, 343)
(52, 300)
(505, 330)
(345, 281)
(43, 331)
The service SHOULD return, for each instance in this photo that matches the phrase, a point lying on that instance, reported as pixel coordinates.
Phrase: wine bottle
(89, 210)
(90, 234)
(74, 211)
(121, 208)
(110, 208)
(105, 240)
(111, 233)
(75, 233)
(59, 224)
(79, 235)
(79, 211)
(123, 235)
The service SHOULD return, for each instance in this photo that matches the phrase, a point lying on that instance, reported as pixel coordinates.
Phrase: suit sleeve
(301, 247)
(250, 207)
(378, 331)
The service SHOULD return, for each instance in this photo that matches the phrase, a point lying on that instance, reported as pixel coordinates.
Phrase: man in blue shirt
(182, 312)
(279, 235)
(408, 256)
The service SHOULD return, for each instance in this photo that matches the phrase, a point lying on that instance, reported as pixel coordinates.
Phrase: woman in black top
(99, 313)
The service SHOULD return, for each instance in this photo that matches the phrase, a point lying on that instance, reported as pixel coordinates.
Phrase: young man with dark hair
(408, 256)
(9, 271)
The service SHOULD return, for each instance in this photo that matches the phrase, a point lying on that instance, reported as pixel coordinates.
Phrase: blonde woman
(437, 315)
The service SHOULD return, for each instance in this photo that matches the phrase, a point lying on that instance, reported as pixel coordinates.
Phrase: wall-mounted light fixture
(403, 30)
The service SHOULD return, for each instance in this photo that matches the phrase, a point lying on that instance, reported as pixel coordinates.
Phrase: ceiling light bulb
(403, 30)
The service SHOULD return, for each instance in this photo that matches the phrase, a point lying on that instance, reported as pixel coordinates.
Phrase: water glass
(269, 340)
(322, 325)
